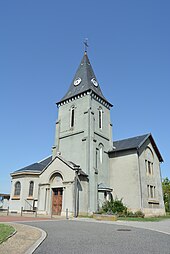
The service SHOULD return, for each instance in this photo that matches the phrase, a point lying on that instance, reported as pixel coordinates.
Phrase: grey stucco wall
(16, 202)
(124, 179)
(150, 205)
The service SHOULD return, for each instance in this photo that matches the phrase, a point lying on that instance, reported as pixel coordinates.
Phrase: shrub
(114, 207)
(137, 214)
(118, 208)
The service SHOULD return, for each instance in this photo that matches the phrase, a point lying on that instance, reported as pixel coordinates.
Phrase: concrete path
(27, 238)
(20, 218)
(24, 241)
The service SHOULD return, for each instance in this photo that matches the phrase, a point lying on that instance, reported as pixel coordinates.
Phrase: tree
(166, 193)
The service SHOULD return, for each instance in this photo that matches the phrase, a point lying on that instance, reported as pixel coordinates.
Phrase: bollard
(67, 214)
(8, 211)
(21, 210)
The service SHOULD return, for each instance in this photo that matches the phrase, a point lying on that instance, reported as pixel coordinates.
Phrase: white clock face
(94, 82)
(77, 81)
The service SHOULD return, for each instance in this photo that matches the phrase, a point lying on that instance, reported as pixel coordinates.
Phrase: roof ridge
(141, 143)
(148, 134)
(44, 159)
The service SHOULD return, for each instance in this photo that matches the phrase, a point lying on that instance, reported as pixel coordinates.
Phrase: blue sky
(40, 50)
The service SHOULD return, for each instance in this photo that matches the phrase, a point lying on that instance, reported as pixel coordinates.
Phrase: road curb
(38, 242)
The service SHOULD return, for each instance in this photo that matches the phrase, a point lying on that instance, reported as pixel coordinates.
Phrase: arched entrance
(56, 182)
(57, 197)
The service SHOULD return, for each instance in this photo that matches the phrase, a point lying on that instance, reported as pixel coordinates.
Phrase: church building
(86, 166)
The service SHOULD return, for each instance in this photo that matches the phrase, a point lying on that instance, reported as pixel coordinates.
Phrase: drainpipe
(75, 195)
(38, 201)
(75, 192)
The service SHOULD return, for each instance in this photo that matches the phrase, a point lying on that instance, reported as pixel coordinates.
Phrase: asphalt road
(94, 238)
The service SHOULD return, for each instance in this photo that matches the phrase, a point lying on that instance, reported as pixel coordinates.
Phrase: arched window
(101, 153)
(56, 180)
(96, 157)
(31, 188)
(149, 161)
(17, 189)
(72, 116)
(100, 118)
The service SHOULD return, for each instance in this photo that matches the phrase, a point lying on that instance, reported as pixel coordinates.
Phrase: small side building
(135, 174)
(50, 187)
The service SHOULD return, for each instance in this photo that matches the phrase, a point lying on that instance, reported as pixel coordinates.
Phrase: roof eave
(25, 173)
(154, 146)
(88, 90)
(123, 149)
(156, 149)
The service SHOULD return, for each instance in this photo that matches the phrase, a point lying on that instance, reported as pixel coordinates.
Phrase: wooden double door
(57, 197)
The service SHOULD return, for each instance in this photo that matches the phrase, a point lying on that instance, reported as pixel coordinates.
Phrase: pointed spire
(84, 80)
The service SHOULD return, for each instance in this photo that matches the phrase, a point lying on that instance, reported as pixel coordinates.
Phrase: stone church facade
(86, 167)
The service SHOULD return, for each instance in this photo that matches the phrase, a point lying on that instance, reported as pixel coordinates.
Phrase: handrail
(29, 204)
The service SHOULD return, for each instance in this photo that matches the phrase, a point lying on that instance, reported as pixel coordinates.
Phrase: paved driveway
(81, 237)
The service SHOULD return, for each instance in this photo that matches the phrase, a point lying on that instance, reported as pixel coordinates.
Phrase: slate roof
(35, 167)
(135, 143)
(38, 167)
(86, 74)
(129, 143)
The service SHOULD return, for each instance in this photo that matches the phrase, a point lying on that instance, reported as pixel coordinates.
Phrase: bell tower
(84, 129)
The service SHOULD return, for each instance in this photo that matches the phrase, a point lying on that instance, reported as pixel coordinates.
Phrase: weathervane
(86, 44)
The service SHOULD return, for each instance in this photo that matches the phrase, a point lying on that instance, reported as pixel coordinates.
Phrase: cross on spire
(86, 44)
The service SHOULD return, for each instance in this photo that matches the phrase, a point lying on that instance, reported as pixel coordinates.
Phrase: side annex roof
(36, 167)
(135, 143)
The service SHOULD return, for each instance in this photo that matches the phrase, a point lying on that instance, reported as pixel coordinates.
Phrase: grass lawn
(145, 219)
(5, 231)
